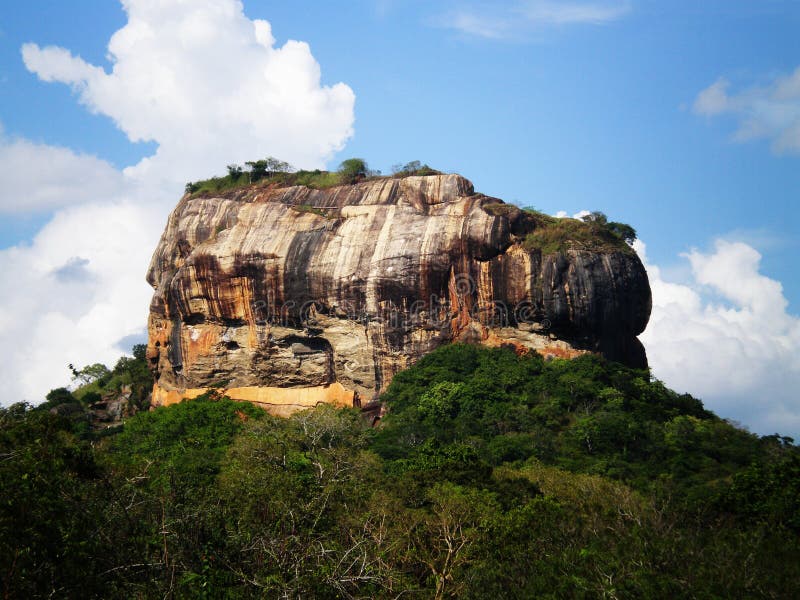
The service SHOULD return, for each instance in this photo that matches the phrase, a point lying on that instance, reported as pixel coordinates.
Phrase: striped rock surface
(299, 296)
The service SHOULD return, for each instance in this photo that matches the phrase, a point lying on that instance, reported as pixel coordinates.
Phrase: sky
(678, 117)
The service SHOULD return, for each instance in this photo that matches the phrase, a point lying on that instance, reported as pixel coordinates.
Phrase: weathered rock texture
(290, 296)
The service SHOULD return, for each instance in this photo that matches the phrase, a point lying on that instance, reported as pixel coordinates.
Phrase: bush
(493, 475)
(272, 171)
(621, 230)
(267, 167)
(316, 179)
(414, 167)
(234, 172)
(353, 170)
(559, 235)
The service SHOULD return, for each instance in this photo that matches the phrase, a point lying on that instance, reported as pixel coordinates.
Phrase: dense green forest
(492, 476)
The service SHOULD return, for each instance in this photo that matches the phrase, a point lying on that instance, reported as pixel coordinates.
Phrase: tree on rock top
(353, 170)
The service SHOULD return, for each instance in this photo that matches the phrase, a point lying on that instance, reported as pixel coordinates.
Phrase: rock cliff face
(290, 296)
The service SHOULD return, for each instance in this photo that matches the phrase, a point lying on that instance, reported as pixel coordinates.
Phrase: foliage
(493, 475)
(559, 235)
(134, 372)
(57, 397)
(97, 372)
(315, 179)
(353, 170)
(413, 167)
(234, 171)
(768, 491)
(130, 371)
(585, 414)
(621, 230)
(268, 167)
(130, 376)
(50, 504)
(594, 232)
(272, 171)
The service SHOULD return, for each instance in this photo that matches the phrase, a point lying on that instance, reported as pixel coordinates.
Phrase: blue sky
(680, 118)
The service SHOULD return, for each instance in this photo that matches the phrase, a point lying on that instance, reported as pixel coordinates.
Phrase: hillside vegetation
(492, 476)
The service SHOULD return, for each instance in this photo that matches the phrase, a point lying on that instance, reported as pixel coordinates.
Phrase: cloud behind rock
(726, 336)
(209, 87)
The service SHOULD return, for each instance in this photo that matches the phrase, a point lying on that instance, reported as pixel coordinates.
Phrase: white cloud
(562, 214)
(511, 20)
(38, 178)
(567, 13)
(771, 111)
(713, 100)
(479, 25)
(726, 337)
(73, 293)
(209, 87)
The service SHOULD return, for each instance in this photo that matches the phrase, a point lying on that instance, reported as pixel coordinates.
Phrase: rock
(331, 303)
(300, 349)
(69, 410)
(112, 408)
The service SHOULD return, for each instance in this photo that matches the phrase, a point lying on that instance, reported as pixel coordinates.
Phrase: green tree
(596, 217)
(50, 536)
(58, 396)
(621, 230)
(267, 167)
(234, 171)
(97, 372)
(413, 167)
(353, 170)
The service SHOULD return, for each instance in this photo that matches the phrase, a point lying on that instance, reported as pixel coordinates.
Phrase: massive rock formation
(290, 296)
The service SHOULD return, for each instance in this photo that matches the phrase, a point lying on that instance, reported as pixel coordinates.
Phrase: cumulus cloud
(510, 20)
(38, 178)
(209, 87)
(726, 336)
(73, 292)
(771, 111)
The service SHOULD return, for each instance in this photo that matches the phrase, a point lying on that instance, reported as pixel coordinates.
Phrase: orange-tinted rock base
(281, 402)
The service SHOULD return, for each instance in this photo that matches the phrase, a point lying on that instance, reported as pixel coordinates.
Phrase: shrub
(559, 235)
(267, 167)
(623, 231)
(316, 179)
(414, 167)
(234, 172)
(353, 170)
